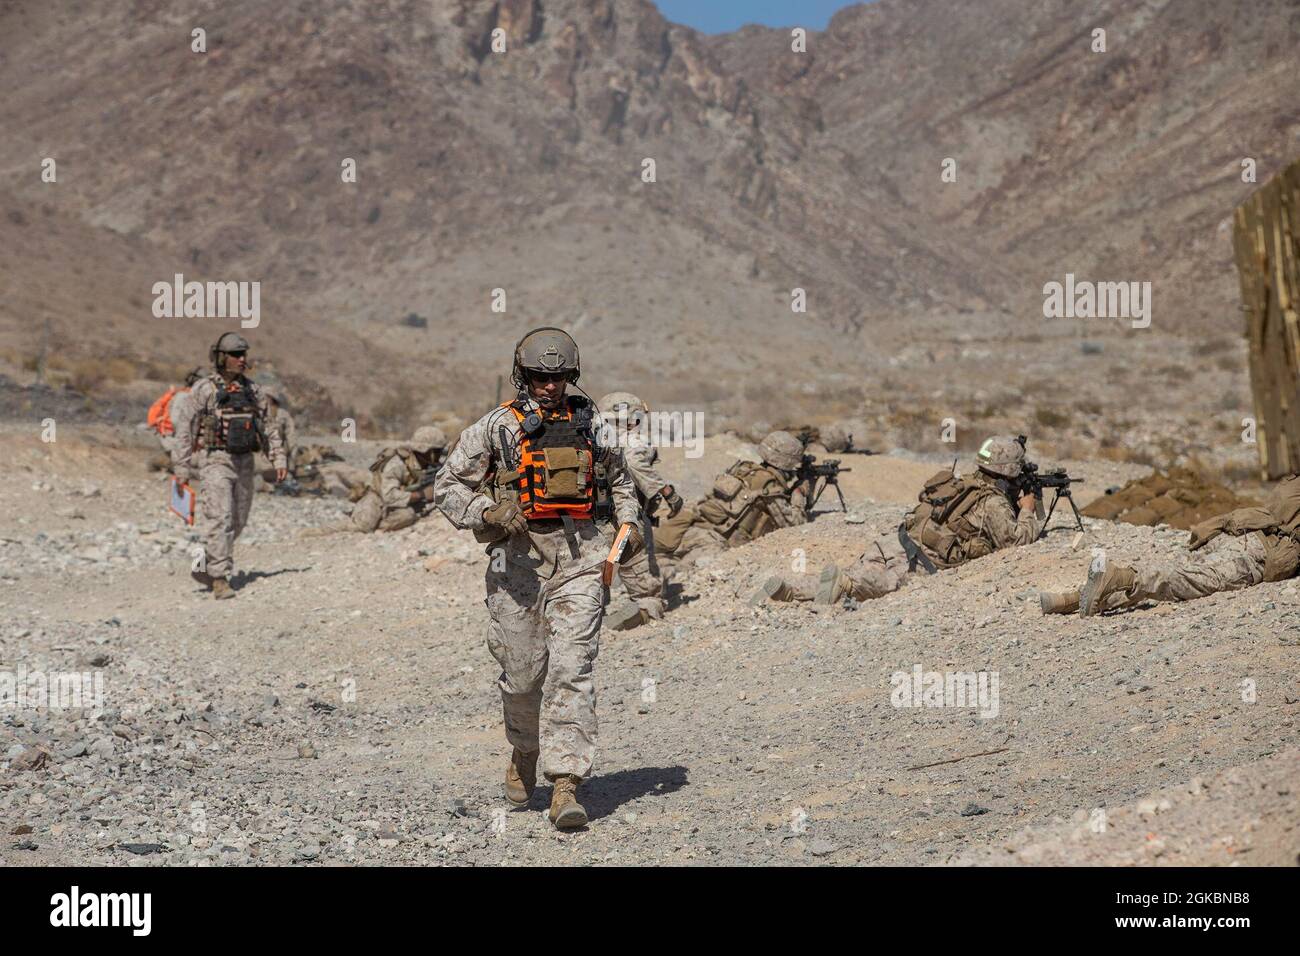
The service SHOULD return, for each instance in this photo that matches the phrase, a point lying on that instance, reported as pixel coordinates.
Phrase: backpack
(1284, 503)
(1277, 522)
(735, 505)
(381, 462)
(1282, 546)
(934, 523)
(160, 418)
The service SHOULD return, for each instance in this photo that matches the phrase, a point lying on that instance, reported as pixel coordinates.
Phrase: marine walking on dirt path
(218, 432)
(523, 478)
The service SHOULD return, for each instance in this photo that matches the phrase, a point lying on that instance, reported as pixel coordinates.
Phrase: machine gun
(426, 480)
(817, 478)
(1031, 481)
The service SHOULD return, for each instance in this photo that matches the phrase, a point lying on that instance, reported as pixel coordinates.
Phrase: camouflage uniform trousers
(225, 497)
(369, 514)
(644, 576)
(880, 571)
(1228, 564)
(700, 540)
(544, 634)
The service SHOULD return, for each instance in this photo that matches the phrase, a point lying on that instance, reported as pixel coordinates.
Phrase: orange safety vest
(556, 471)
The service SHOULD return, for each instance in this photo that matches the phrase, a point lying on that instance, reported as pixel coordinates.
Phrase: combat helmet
(229, 342)
(781, 450)
(547, 349)
(623, 405)
(1002, 455)
(428, 438)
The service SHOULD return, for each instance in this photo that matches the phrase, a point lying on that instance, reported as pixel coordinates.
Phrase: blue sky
(721, 16)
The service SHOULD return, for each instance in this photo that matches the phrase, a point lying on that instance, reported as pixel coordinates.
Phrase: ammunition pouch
(565, 472)
(242, 434)
(726, 487)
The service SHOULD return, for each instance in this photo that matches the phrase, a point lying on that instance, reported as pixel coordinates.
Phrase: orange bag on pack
(160, 419)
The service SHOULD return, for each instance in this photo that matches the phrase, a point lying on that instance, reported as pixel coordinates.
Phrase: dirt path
(729, 733)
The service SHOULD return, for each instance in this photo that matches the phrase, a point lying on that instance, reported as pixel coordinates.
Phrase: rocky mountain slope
(522, 171)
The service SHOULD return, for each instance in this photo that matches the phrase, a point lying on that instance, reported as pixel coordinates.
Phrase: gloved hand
(183, 474)
(506, 515)
(1202, 534)
(635, 544)
(672, 499)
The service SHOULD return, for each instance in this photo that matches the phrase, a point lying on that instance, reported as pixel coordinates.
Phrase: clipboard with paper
(615, 555)
(181, 500)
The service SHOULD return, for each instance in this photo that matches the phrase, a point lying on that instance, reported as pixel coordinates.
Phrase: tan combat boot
(221, 589)
(566, 812)
(521, 777)
(1058, 602)
(1109, 586)
(626, 618)
(775, 588)
(834, 585)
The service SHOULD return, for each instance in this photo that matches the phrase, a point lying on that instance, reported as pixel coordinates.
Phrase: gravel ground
(342, 710)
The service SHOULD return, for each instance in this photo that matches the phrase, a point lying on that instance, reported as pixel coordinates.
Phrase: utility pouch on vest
(241, 433)
(210, 432)
(727, 487)
(603, 505)
(756, 523)
(565, 472)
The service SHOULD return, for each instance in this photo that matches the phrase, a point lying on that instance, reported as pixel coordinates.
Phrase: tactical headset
(216, 349)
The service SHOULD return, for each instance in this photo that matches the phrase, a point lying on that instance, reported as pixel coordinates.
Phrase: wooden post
(1267, 248)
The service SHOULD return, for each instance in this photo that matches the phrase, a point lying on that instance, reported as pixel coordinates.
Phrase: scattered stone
(822, 848)
(143, 849)
(31, 758)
